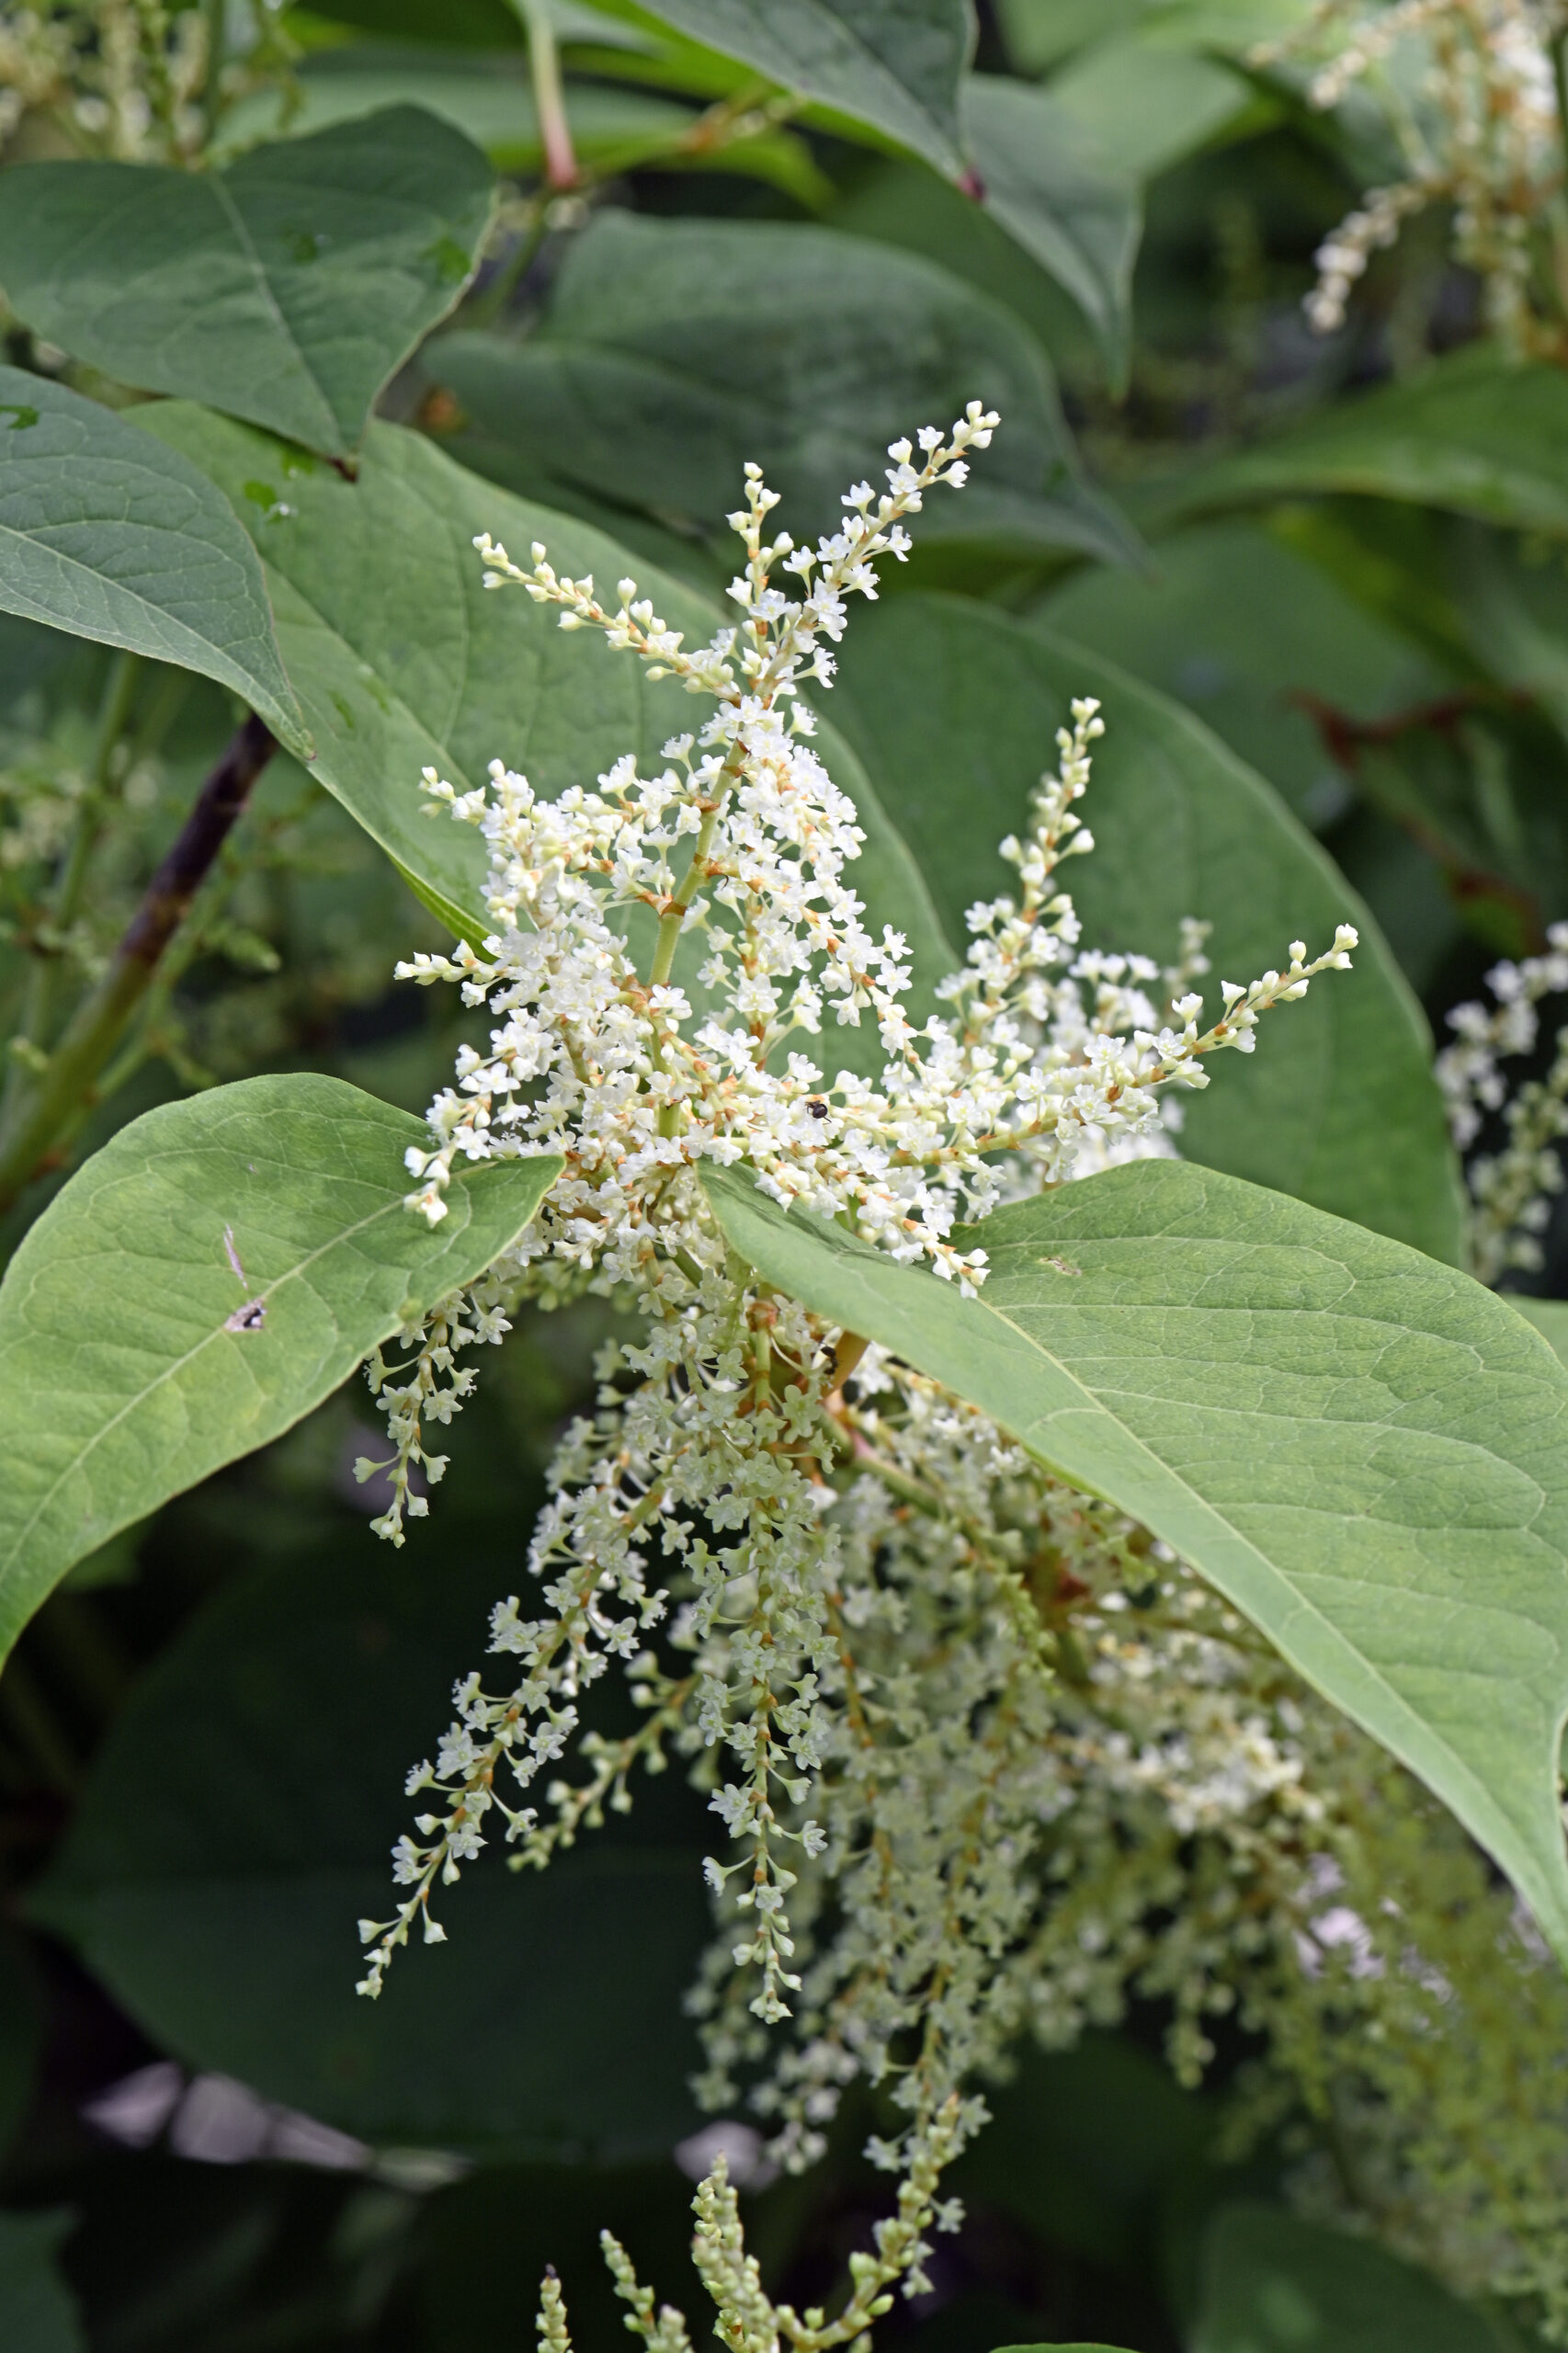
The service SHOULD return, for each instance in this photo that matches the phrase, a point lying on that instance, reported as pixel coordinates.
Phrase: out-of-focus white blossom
(1478, 123)
(1511, 1191)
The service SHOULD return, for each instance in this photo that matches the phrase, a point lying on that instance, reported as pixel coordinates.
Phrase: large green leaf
(220, 1907)
(127, 1378)
(1254, 639)
(106, 535)
(402, 659)
(953, 709)
(1470, 433)
(1364, 1450)
(674, 352)
(38, 2312)
(893, 64)
(1272, 2284)
(285, 288)
(1054, 189)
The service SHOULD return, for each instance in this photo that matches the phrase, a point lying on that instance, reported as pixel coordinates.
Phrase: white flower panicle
(1511, 1191)
(1476, 118)
(835, 1592)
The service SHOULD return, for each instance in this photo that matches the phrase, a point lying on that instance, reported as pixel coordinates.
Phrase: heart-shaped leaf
(953, 709)
(136, 1360)
(673, 352)
(107, 535)
(285, 288)
(1364, 1451)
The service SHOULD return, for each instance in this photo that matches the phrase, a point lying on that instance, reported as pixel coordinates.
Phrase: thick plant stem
(100, 1020)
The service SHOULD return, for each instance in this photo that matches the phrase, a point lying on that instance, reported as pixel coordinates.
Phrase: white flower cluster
(122, 77)
(1478, 125)
(858, 1656)
(1512, 1189)
(1045, 1053)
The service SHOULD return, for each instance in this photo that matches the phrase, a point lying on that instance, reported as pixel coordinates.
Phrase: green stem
(679, 906)
(561, 170)
(670, 922)
(100, 1020)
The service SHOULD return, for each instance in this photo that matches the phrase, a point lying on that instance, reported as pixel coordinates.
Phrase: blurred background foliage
(207, 2146)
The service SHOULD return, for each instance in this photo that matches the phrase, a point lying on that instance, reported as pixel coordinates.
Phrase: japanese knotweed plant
(885, 1629)
(1469, 92)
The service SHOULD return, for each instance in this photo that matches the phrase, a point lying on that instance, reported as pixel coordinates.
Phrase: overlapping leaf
(285, 288)
(674, 352)
(953, 709)
(1364, 1450)
(106, 535)
(129, 1377)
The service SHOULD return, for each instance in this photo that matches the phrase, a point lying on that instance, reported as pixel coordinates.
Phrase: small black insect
(817, 1108)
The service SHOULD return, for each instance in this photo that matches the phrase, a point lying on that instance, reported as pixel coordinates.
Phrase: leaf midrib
(248, 254)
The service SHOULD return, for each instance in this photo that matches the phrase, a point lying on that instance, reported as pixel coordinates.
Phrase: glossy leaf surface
(285, 288)
(673, 352)
(953, 707)
(1365, 1451)
(118, 1340)
(107, 536)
